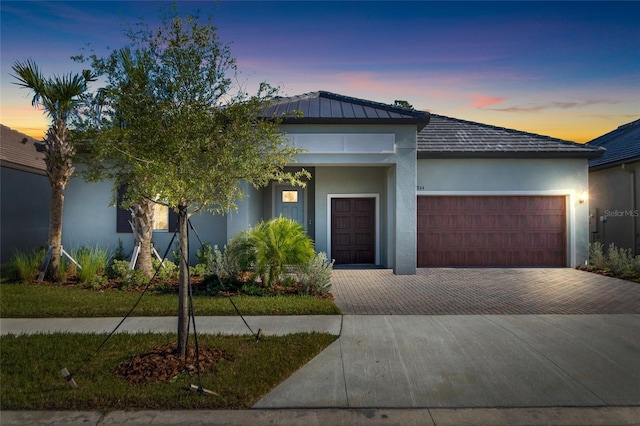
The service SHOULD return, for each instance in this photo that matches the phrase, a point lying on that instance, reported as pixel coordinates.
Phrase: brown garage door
(353, 230)
(491, 231)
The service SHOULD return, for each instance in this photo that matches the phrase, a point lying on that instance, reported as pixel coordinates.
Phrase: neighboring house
(24, 208)
(398, 188)
(614, 188)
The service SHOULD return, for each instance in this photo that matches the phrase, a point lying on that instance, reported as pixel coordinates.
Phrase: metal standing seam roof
(447, 137)
(622, 145)
(330, 108)
(17, 151)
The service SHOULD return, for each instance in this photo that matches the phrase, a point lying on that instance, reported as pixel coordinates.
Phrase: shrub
(165, 271)
(596, 255)
(617, 260)
(240, 255)
(315, 275)
(278, 243)
(25, 266)
(620, 261)
(129, 279)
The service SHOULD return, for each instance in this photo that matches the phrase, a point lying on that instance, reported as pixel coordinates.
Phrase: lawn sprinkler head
(202, 390)
(69, 377)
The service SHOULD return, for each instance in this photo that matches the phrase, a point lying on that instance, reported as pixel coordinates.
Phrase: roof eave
(418, 122)
(611, 164)
(589, 155)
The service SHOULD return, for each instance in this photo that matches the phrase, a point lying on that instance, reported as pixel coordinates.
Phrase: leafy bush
(278, 243)
(621, 261)
(239, 254)
(129, 279)
(597, 256)
(315, 275)
(165, 271)
(25, 266)
(617, 260)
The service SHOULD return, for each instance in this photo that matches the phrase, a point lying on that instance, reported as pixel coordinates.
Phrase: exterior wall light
(582, 197)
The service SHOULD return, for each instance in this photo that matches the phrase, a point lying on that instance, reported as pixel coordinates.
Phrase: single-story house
(400, 189)
(614, 188)
(24, 207)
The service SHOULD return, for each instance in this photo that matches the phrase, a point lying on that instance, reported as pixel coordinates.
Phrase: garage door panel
(491, 231)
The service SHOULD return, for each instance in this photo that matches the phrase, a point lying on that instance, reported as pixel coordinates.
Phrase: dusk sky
(564, 69)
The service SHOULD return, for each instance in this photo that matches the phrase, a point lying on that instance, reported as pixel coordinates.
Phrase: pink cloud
(481, 101)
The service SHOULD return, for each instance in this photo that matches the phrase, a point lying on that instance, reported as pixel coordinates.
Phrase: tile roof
(447, 137)
(330, 108)
(622, 145)
(17, 151)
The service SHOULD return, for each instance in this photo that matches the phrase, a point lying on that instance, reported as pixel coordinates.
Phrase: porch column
(405, 208)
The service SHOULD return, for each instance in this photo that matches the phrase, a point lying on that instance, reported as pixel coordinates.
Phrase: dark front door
(353, 233)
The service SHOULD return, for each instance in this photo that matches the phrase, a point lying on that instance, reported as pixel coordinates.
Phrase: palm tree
(59, 97)
(278, 243)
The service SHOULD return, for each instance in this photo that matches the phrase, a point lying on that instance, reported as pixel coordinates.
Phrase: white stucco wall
(566, 177)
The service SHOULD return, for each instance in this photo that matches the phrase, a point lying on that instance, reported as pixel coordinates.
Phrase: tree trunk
(58, 154)
(142, 216)
(183, 294)
(55, 232)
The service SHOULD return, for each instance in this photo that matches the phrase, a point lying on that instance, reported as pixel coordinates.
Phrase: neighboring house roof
(447, 137)
(622, 146)
(18, 152)
(329, 108)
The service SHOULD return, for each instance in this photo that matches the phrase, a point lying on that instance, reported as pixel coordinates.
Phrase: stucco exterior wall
(90, 220)
(365, 181)
(24, 211)
(353, 173)
(568, 177)
(614, 194)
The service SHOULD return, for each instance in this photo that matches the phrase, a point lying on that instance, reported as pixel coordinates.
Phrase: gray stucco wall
(614, 194)
(24, 211)
(366, 181)
(394, 180)
(89, 220)
(566, 177)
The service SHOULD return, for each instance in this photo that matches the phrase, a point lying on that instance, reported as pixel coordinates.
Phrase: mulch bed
(609, 273)
(164, 364)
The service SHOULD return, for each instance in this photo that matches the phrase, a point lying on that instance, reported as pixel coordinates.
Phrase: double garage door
(492, 231)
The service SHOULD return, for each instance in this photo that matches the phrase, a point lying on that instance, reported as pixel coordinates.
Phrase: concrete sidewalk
(414, 369)
(471, 361)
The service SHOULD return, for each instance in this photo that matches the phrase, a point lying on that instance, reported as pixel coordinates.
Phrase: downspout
(633, 207)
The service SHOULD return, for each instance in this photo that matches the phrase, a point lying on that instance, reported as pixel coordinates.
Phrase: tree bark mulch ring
(164, 364)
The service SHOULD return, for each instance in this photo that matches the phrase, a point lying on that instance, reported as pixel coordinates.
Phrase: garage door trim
(570, 211)
(376, 196)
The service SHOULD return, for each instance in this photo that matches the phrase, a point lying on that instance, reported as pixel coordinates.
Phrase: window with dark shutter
(123, 216)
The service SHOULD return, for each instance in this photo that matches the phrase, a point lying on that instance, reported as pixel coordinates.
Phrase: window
(289, 196)
(161, 217)
(165, 218)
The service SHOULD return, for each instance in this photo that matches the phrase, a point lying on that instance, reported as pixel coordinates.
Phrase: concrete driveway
(462, 291)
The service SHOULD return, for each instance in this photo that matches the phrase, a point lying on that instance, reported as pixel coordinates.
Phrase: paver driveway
(462, 291)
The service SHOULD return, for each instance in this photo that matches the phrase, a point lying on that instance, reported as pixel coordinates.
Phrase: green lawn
(42, 301)
(31, 380)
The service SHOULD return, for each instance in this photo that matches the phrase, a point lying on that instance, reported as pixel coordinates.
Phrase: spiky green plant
(280, 242)
(26, 265)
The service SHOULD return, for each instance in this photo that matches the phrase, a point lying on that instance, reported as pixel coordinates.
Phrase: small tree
(59, 97)
(187, 139)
